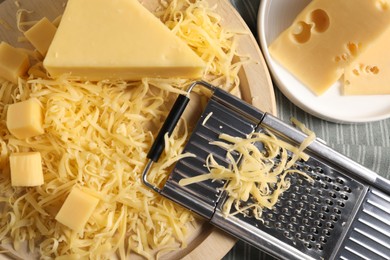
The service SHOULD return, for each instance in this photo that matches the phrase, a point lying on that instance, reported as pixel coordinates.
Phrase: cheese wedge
(117, 39)
(369, 74)
(326, 36)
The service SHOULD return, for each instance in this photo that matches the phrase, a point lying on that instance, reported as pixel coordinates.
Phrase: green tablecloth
(366, 143)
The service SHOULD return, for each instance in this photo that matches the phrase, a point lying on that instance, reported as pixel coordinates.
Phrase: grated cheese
(199, 26)
(257, 177)
(5, 24)
(207, 118)
(20, 23)
(97, 136)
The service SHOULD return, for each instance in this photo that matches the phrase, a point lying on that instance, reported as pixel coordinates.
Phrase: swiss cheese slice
(369, 74)
(117, 39)
(326, 36)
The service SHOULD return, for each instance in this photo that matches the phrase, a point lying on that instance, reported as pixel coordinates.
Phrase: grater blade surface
(369, 234)
(216, 119)
(344, 214)
(310, 219)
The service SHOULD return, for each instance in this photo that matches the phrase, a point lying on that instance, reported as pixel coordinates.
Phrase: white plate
(274, 17)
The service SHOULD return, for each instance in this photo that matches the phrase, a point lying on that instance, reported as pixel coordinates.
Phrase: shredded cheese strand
(256, 175)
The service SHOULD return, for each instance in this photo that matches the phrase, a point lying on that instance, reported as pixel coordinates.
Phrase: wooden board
(256, 88)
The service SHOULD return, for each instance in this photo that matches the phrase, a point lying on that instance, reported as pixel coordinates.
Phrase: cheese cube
(71, 257)
(13, 63)
(41, 34)
(25, 119)
(77, 209)
(326, 36)
(26, 169)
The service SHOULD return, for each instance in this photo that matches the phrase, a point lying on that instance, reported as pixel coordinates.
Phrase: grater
(343, 214)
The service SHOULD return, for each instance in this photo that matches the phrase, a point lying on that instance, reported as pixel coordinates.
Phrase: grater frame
(345, 214)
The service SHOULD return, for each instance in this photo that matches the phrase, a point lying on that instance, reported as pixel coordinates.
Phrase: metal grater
(344, 214)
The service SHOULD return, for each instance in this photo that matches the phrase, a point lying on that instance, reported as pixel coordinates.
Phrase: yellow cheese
(71, 257)
(13, 63)
(326, 36)
(56, 22)
(41, 35)
(26, 169)
(100, 39)
(77, 209)
(25, 119)
(369, 74)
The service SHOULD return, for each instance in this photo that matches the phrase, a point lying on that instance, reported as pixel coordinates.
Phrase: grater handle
(173, 117)
(168, 127)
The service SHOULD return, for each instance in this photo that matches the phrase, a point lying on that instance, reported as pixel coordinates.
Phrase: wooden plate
(256, 88)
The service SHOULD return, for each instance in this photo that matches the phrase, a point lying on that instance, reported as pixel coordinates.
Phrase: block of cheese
(326, 36)
(26, 169)
(41, 34)
(369, 74)
(77, 209)
(118, 39)
(25, 119)
(13, 62)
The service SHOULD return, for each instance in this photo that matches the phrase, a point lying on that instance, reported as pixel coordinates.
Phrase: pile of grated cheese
(96, 137)
(256, 179)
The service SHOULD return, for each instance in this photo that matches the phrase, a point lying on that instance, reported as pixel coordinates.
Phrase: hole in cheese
(353, 48)
(320, 19)
(356, 72)
(302, 32)
(371, 69)
(374, 70)
(365, 69)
